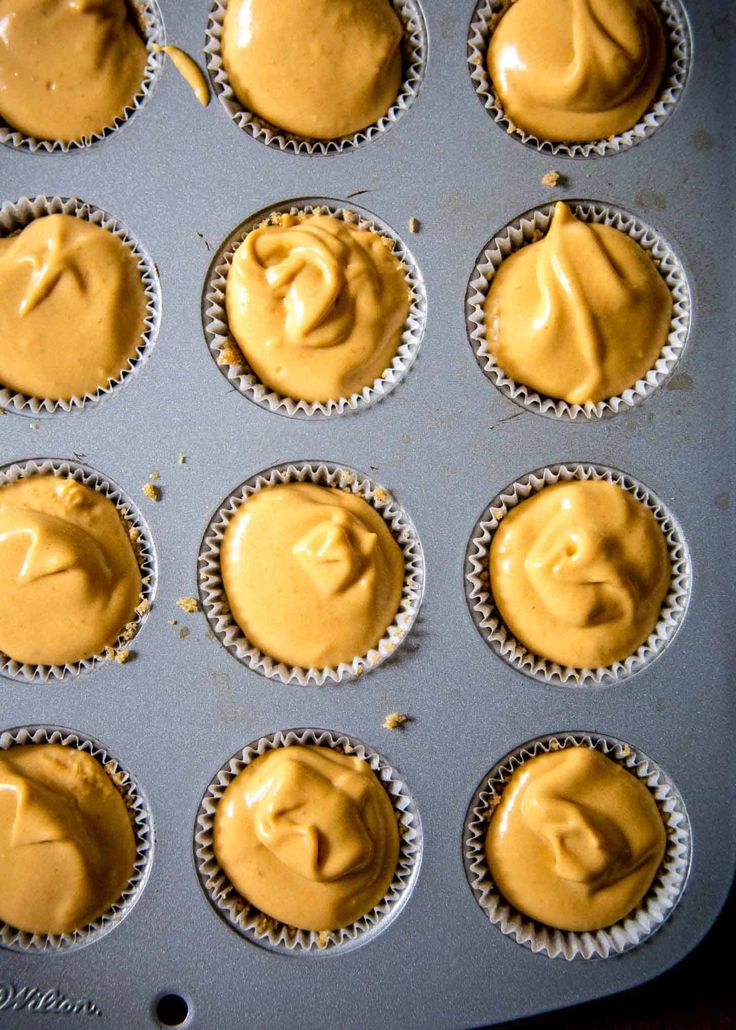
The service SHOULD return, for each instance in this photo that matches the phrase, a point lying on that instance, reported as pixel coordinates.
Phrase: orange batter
(309, 836)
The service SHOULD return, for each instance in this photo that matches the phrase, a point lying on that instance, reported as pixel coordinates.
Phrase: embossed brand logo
(33, 999)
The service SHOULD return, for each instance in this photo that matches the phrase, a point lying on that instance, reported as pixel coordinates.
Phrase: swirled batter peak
(316, 68)
(309, 836)
(67, 846)
(579, 572)
(72, 308)
(581, 314)
(68, 68)
(70, 579)
(576, 70)
(316, 305)
(576, 840)
(312, 574)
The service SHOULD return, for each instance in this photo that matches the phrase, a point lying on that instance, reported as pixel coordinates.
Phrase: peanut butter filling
(581, 315)
(577, 70)
(189, 70)
(67, 847)
(312, 574)
(316, 68)
(309, 836)
(72, 308)
(316, 305)
(579, 572)
(70, 578)
(576, 840)
(68, 68)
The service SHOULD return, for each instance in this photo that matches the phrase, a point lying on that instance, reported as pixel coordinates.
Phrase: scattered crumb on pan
(394, 720)
(553, 179)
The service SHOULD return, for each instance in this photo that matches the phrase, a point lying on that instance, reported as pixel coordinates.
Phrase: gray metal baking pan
(445, 441)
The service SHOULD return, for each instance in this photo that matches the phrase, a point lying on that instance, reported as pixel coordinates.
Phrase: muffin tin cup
(151, 28)
(488, 620)
(233, 364)
(15, 217)
(142, 545)
(141, 819)
(414, 57)
(214, 600)
(487, 14)
(268, 933)
(526, 229)
(656, 906)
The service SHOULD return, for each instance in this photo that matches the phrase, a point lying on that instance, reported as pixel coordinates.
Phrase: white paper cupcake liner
(323, 473)
(526, 229)
(233, 364)
(15, 217)
(414, 57)
(141, 819)
(656, 906)
(488, 621)
(674, 21)
(268, 933)
(142, 545)
(151, 27)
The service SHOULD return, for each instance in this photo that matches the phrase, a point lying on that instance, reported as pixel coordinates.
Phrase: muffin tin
(445, 442)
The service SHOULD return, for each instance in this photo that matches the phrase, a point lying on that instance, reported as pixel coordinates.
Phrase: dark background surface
(697, 994)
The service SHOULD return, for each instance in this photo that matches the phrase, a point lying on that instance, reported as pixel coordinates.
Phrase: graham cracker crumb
(184, 632)
(491, 808)
(129, 632)
(230, 355)
(117, 777)
(134, 534)
(323, 938)
(264, 924)
(626, 751)
(380, 495)
(154, 475)
(554, 745)
(144, 607)
(182, 459)
(394, 720)
(153, 493)
(359, 671)
(552, 179)
(414, 225)
(188, 604)
(120, 657)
